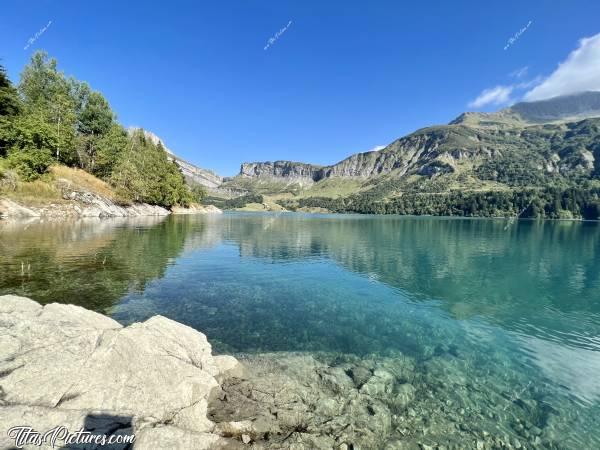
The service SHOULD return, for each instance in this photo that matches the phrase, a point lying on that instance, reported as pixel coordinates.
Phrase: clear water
(514, 304)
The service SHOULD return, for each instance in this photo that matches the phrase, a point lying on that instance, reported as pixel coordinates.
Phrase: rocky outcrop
(82, 204)
(408, 154)
(62, 365)
(282, 169)
(86, 205)
(198, 175)
(196, 209)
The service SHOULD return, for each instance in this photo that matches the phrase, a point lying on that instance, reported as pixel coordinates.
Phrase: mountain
(471, 139)
(294, 171)
(567, 108)
(550, 143)
(191, 172)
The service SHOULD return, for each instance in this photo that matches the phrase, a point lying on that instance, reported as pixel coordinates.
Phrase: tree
(109, 148)
(143, 173)
(46, 93)
(10, 106)
(10, 103)
(198, 192)
(95, 119)
(54, 119)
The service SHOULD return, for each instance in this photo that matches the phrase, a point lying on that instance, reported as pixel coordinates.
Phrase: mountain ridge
(563, 108)
(446, 143)
(491, 164)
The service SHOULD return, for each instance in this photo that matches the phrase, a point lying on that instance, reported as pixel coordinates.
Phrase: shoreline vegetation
(63, 154)
(549, 203)
(580, 205)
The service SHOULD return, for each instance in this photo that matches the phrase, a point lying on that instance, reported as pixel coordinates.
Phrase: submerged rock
(342, 401)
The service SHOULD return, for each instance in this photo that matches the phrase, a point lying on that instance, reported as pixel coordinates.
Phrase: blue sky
(343, 77)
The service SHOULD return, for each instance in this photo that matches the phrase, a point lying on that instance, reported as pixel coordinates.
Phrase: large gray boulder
(62, 365)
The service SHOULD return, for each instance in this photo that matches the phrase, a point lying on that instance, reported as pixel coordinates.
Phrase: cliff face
(414, 152)
(539, 136)
(285, 169)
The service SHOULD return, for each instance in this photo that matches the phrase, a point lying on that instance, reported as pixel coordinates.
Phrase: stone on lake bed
(405, 394)
(360, 375)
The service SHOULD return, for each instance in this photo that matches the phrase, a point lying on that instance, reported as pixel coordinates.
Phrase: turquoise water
(515, 306)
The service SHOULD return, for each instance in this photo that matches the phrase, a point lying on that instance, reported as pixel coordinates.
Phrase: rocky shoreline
(87, 204)
(63, 365)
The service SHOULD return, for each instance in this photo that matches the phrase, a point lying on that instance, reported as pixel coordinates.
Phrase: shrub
(29, 163)
(8, 179)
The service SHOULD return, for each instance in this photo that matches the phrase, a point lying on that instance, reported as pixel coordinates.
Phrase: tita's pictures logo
(26, 435)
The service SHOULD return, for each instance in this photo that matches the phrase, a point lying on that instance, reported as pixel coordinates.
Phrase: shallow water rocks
(405, 394)
(380, 384)
(65, 365)
(305, 401)
(342, 401)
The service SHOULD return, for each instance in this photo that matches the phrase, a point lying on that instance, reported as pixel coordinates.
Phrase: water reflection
(528, 294)
(91, 262)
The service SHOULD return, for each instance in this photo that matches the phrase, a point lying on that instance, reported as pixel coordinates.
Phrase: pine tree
(10, 104)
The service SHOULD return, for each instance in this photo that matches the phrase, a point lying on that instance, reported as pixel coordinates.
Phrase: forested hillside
(48, 118)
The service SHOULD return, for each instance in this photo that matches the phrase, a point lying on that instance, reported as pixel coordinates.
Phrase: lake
(510, 309)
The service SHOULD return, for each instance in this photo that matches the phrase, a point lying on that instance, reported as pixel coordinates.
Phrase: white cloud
(377, 148)
(579, 72)
(520, 72)
(528, 84)
(498, 95)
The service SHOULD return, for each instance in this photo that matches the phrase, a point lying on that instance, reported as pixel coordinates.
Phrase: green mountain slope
(505, 152)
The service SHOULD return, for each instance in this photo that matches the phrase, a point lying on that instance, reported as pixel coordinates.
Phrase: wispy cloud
(579, 72)
(520, 72)
(529, 84)
(504, 94)
(499, 95)
(376, 148)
